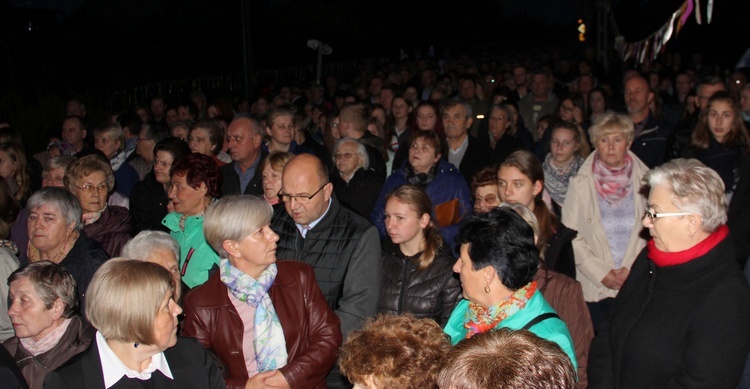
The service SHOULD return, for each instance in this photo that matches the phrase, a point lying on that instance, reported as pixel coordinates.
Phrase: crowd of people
(461, 224)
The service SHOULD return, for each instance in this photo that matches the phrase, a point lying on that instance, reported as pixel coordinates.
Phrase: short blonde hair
(84, 167)
(123, 298)
(612, 123)
(695, 188)
(234, 218)
(113, 132)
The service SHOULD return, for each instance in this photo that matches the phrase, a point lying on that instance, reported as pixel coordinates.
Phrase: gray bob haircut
(146, 242)
(695, 188)
(234, 218)
(61, 199)
(526, 214)
(361, 150)
(612, 123)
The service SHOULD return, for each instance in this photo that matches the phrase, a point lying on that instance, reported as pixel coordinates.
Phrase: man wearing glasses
(342, 247)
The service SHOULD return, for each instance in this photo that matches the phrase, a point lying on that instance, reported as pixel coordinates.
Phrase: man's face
(466, 89)
(386, 98)
(539, 85)
(145, 146)
(302, 180)
(157, 108)
(705, 92)
(585, 84)
(375, 85)
(75, 108)
(683, 84)
(243, 141)
(455, 122)
(637, 95)
(73, 133)
(519, 76)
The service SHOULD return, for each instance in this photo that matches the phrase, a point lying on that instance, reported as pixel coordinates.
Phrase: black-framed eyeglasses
(300, 199)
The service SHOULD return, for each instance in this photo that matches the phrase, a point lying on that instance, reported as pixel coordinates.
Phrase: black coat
(190, 364)
(478, 155)
(148, 205)
(430, 293)
(231, 183)
(558, 253)
(676, 326)
(82, 261)
(651, 145)
(360, 193)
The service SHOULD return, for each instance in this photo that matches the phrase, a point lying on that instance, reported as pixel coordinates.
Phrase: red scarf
(663, 259)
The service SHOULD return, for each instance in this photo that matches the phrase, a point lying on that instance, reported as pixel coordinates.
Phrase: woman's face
(516, 187)
(142, 114)
(255, 251)
(612, 149)
(282, 130)
(165, 323)
(92, 191)
(30, 318)
(669, 233)
(53, 177)
(422, 156)
(47, 229)
(212, 111)
(566, 110)
(499, 123)
(166, 259)
(720, 119)
(199, 141)
(7, 166)
(400, 109)
(472, 281)
(597, 102)
(402, 223)
(347, 159)
(426, 118)
(162, 163)
(271, 182)
(563, 146)
(335, 134)
(106, 145)
(379, 115)
(486, 197)
(186, 199)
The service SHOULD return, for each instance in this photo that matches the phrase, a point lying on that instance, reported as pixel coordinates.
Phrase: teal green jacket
(552, 329)
(203, 257)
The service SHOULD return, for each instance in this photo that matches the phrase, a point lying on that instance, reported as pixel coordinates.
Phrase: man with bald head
(243, 176)
(651, 134)
(342, 247)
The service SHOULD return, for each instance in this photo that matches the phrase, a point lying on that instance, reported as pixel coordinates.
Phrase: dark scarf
(419, 179)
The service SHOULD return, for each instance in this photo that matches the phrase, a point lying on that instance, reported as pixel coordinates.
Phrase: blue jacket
(553, 329)
(447, 185)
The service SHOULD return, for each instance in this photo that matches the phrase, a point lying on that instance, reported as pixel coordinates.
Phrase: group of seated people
(383, 240)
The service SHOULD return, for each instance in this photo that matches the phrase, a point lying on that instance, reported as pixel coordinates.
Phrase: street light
(323, 49)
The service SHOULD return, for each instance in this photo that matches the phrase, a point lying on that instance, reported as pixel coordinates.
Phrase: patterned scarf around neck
(419, 179)
(556, 178)
(613, 184)
(480, 319)
(268, 337)
(92, 217)
(35, 255)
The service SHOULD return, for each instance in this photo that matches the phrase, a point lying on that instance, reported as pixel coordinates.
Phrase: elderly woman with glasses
(354, 183)
(91, 179)
(680, 319)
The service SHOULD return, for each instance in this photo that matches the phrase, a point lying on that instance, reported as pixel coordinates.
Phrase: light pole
(323, 49)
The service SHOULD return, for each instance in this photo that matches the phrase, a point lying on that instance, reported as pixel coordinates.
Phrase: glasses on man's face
(300, 199)
(654, 215)
(91, 188)
(343, 155)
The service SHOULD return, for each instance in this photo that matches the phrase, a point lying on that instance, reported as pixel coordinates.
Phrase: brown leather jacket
(311, 329)
(75, 340)
(565, 295)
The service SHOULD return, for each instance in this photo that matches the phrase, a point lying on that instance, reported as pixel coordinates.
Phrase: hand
(611, 280)
(577, 115)
(622, 275)
(258, 381)
(277, 380)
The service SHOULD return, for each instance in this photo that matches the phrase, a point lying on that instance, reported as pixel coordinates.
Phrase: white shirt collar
(113, 368)
(303, 230)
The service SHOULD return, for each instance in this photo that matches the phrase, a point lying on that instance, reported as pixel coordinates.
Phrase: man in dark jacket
(465, 152)
(651, 134)
(342, 247)
(243, 175)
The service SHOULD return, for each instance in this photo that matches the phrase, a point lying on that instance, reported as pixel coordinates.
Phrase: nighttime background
(53, 50)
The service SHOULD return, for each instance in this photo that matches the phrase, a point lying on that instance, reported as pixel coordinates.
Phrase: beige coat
(581, 213)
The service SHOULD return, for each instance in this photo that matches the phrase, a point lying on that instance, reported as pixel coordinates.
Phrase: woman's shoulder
(291, 272)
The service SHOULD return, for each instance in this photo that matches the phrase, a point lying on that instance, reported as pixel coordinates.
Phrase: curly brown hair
(395, 352)
(197, 169)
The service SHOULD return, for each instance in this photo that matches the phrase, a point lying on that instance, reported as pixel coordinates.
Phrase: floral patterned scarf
(480, 319)
(613, 184)
(556, 179)
(269, 342)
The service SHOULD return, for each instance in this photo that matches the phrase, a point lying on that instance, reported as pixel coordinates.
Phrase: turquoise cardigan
(203, 258)
(553, 329)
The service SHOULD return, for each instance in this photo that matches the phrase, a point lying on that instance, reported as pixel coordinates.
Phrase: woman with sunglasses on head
(680, 319)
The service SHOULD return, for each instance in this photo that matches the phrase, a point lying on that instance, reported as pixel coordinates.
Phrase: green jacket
(553, 329)
(203, 257)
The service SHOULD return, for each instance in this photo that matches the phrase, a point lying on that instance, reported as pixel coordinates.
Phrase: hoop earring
(487, 289)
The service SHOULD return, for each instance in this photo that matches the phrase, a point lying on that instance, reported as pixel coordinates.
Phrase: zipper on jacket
(403, 286)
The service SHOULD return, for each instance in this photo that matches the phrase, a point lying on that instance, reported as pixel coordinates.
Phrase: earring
(136, 344)
(487, 289)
